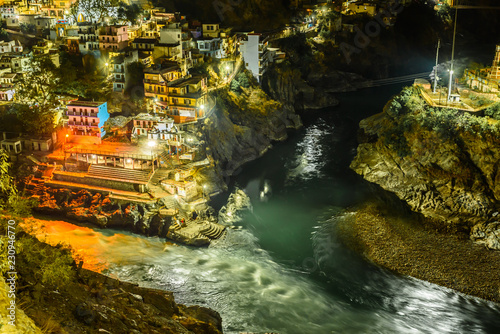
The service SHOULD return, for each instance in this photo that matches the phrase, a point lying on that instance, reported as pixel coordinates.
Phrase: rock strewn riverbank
(443, 163)
(411, 248)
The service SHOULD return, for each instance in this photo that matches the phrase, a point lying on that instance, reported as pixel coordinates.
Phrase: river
(284, 270)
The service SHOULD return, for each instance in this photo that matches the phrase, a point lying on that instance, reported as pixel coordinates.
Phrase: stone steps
(159, 175)
(213, 231)
(119, 174)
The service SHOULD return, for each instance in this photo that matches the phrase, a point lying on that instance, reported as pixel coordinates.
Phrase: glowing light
(227, 67)
(67, 135)
(202, 106)
(204, 186)
(151, 143)
(129, 161)
(106, 64)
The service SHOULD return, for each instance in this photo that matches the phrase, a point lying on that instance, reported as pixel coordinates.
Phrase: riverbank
(411, 248)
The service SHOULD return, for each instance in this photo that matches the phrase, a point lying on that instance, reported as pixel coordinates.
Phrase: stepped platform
(159, 175)
(119, 174)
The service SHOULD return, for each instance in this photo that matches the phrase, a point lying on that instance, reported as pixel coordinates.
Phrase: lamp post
(204, 191)
(152, 144)
(107, 72)
(452, 55)
(436, 70)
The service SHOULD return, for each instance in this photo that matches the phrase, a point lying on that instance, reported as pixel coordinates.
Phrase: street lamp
(204, 191)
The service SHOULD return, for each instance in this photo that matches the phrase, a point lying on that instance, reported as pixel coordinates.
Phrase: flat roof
(186, 81)
(144, 40)
(110, 149)
(84, 104)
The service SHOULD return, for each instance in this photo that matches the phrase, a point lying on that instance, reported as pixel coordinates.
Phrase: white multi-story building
(257, 55)
(252, 49)
(89, 38)
(210, 47)
(7, 86)
(12, 46)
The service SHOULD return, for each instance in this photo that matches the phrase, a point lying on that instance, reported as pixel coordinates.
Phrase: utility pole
(452, 55)
(436, 69)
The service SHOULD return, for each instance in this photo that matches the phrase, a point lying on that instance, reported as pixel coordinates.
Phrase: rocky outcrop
(242, 129)
(287, 86)
(99, 209)
(444, 164)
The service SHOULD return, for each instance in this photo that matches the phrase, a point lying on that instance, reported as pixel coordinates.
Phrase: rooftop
(85, 104)
(114, 150)
(145, 40)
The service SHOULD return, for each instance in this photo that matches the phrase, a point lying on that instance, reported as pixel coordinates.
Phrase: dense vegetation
(409, 111)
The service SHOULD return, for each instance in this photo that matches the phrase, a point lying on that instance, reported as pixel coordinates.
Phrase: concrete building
(119, 69)
(86, 118)
(257, 55)
(359, 7)
(252, 50)
(89, 38)
(113, 38)
(44, 22)
(156, 78)
(7, 86)
(187, 99)
(211, 47)
(12, 46)
(16, 62)
(144, 44)
(8, 11)
(211, 30)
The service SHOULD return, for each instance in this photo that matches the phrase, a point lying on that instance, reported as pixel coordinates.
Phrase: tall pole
(452, 55)
(436, 68)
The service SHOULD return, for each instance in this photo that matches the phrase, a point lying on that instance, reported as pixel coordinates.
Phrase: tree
(27, 28)
(38, 84)
(129, 13)
(7, 188)
(93, 10)
(4, 36)
(36, 121)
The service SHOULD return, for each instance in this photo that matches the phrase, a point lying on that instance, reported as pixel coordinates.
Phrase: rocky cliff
(443, 163)
(287, 86)
(242, 127)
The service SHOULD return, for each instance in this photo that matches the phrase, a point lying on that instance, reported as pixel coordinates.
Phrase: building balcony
(86, 124)
(154, 82)
(173, 142)
(83, 114)
(122, 79)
